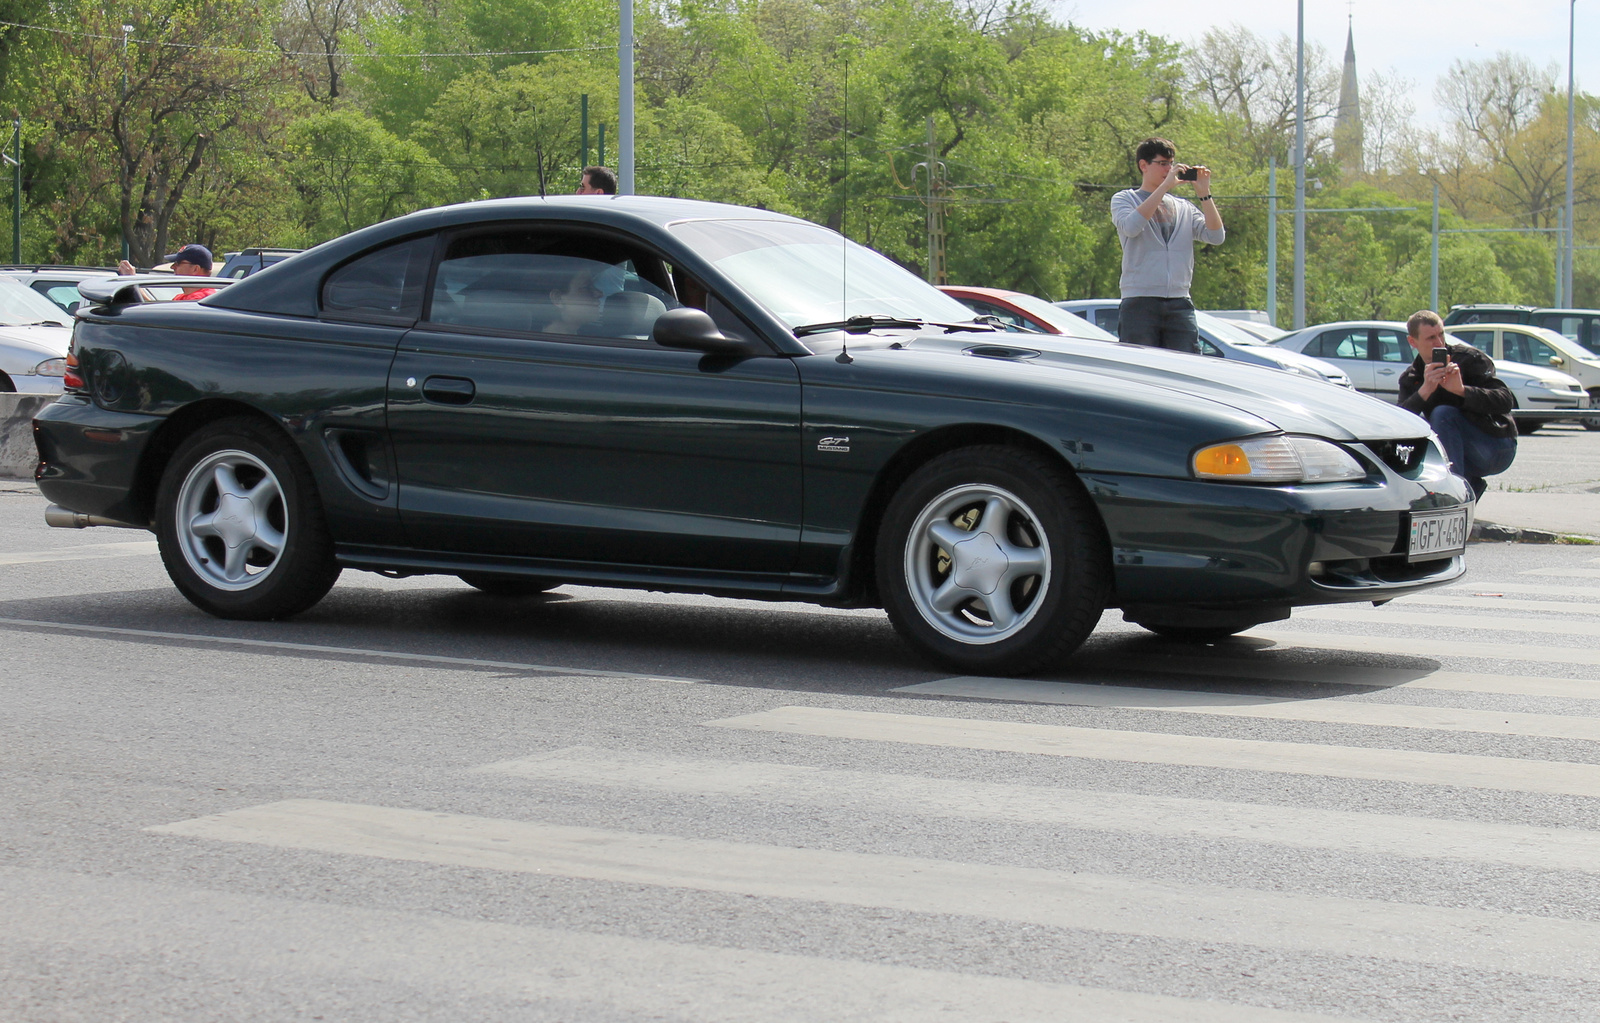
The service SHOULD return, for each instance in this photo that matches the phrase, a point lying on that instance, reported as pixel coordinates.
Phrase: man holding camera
(1454, 388)
(1158, 233)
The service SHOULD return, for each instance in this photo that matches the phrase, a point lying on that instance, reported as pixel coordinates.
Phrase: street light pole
(625, 102)
(1300, 172)
(1433, 273)
(1272, 240)
(1567, 297)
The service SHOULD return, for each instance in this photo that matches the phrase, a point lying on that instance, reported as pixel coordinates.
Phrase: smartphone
(1441, 356)
(1189, 174)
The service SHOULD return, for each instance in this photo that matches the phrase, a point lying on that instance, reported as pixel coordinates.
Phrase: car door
(1348, 348)
(1391, 354)
(528, 420)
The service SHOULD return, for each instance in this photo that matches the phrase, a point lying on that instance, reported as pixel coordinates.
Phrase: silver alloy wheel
(977, 564)
(231, 520)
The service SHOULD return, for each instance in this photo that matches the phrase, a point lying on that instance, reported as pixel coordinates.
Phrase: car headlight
(1278, 459)
(51, 368)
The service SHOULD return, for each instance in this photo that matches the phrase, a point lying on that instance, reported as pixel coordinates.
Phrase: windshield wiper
(867, 324)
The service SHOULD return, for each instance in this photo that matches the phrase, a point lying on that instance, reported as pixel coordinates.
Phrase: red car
(1025, 313)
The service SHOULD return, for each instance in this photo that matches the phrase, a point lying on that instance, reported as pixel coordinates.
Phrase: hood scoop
(1001, 352)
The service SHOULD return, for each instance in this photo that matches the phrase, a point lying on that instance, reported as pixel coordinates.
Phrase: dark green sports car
(685, 396)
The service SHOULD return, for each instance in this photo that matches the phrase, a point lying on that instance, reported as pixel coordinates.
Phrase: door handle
(1386, 372)
(449, 390)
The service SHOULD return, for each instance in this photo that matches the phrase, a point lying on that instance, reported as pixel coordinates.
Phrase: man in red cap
(189, 261)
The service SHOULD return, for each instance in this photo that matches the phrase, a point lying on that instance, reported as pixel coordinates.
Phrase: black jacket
(1485, 401)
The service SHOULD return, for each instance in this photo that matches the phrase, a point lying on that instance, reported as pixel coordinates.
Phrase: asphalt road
(417, 802)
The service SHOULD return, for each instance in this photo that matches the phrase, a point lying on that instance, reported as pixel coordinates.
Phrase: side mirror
(694, 330)
(1556, 360)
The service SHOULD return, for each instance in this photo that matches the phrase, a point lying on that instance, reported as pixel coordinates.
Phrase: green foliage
(350, 171)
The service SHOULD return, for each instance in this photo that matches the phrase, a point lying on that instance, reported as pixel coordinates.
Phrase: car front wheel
(992, 559)
(239, 524)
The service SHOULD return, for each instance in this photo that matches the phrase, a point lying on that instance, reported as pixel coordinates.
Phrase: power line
(294, 53)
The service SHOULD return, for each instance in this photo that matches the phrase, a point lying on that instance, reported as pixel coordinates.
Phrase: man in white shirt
(1159, 232)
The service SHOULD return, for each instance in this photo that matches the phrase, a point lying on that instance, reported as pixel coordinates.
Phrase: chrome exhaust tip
(61, 518)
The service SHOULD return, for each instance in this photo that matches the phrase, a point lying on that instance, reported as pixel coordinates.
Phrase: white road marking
(1436, 623)
(1551, 589)
(88, 552)
(1407, 766)
(286, 647)
(1284, 634)
(1374, 834)
(1467, 938)
(1276, 708)
(1564, 573)
(251, 939)
(1501, 604)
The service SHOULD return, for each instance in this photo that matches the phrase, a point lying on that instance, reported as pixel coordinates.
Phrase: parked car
(687, 396)
(34, 337)
(1580, 325)
(1219, 338)
(1258, 330)
(57, 283)
(1535, 346)
(239, 265)
(1375, 352)
(1019, 311)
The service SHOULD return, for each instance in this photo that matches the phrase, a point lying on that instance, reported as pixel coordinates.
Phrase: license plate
(1437, 533)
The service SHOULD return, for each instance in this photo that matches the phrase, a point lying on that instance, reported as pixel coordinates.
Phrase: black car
(686, 396)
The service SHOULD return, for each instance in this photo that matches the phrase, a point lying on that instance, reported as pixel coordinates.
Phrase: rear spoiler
(114, 291)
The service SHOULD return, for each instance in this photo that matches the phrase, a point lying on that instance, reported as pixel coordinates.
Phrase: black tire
(240, 523)
(1047, 602)
(6, 385)
(1196, 633)
(1527, 426)
(508, 585)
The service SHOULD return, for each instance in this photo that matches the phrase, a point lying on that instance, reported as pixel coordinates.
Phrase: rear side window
(1392, 346)
(1108, 318)
(383, 286)
(1482, 340)
(1340, 344)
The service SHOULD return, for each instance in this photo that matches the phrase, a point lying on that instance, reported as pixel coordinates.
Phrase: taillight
(72, 380)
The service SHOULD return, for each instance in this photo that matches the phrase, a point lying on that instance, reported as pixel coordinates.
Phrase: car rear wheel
(240, 526)
(992, 559)
(508, 585)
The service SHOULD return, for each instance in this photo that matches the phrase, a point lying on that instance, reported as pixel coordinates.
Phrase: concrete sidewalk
(1558, 515)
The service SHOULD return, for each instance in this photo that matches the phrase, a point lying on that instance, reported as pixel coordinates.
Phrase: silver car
(34, 335)
(1222, 339)
(1375, 352)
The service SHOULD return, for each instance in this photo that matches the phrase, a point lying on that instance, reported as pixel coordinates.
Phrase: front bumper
(1228, 546)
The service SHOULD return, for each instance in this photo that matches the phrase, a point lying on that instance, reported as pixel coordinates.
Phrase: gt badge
(841, 445)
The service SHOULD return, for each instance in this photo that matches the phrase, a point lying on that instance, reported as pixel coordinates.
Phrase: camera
(1189, 174)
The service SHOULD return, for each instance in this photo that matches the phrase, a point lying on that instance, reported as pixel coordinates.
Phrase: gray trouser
(1158, 322)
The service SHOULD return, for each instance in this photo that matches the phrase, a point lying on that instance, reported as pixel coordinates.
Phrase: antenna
(844, 214)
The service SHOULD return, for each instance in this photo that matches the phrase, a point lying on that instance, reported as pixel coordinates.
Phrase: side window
(530, 281)
(1392, 346)
(1516, 348)
(1341, 344)
(1207, 348)
(384, 285)
(1108, 318)
(1482, 340)
(697, 296)
(1541, 353)
(64, 295)
(1570, 326)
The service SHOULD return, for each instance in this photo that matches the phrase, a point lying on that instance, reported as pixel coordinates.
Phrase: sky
(1419, 38)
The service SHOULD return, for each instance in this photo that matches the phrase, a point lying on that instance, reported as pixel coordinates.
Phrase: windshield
(1563, 341)
(1068, 323)
(1227, 331)
(21, 305)
(807, 274)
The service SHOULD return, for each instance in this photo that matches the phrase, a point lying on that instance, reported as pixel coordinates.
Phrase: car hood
(1281, 401)
(35, 342)
(1522, 372)
(1284, 357)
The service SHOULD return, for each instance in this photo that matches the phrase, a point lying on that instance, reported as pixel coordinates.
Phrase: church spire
(1347, 125)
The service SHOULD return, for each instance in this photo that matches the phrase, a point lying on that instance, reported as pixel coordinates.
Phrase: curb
(1490, 532)
(18, 456)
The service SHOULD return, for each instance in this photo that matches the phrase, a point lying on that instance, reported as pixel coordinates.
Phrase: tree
(140, 115)
(350, 172)
(1252, 82)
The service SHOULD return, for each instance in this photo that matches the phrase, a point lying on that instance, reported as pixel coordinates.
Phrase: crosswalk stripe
(1548, 589)
(88, 552)
(1373, 834)
(1421, 646)
(1466, 938)
(1495, 604)
(279, 942)
(1342, 674)
(1276, 708)
(1409, 766)
(1437, 623)
(115, 633)
(1564, 573)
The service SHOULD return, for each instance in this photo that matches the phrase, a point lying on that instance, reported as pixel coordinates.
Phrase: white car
(1375, 352)
(1534, 346)
(34, 336)
(1221, 339)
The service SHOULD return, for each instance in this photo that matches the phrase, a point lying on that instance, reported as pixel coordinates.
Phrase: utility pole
(625, 103)
(126, 29)
(1300, 172)
(583, 115)
(1433, 274)
(600, 157)
(934, 168)
(1565, 296)
(15, 160)
(1272, 240)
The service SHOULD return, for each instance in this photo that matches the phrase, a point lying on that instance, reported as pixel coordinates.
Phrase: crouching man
(1454, 388)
